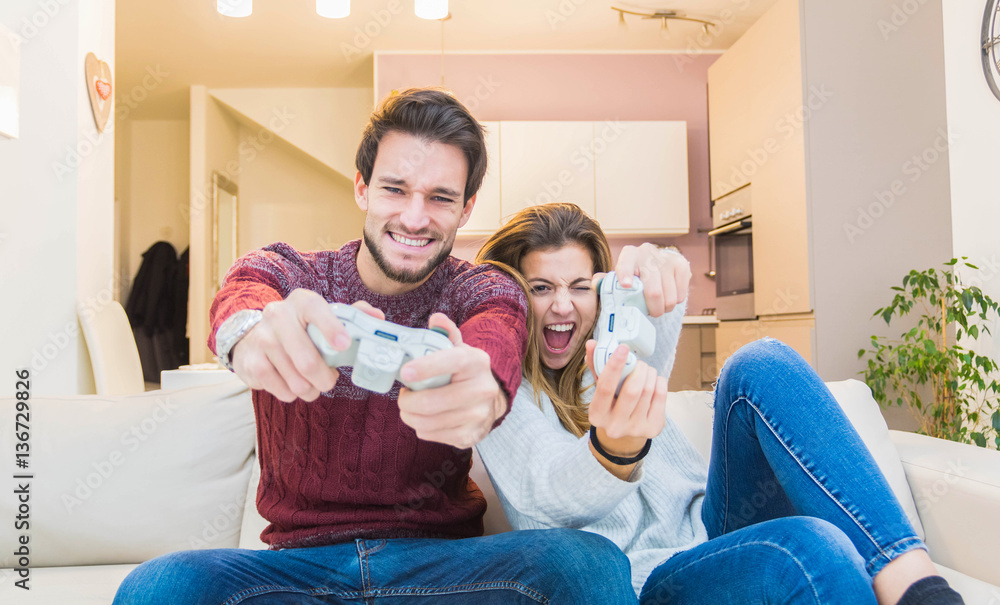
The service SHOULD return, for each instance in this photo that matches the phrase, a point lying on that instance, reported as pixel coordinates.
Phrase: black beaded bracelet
(618, 459)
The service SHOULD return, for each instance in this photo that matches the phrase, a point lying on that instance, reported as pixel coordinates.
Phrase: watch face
(991, 45)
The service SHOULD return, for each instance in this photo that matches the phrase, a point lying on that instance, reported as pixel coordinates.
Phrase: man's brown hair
(431, 114)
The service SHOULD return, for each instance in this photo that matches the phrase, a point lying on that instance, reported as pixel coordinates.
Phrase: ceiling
(162, 48)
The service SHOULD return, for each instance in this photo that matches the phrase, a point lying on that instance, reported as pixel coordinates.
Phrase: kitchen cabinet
(542, 162)
(694, 362)
(641, 181)
(485, 217)
(797, 331)
(630, 176)
(756, 136)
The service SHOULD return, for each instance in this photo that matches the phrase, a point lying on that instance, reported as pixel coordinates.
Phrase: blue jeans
(796, 508)
(534, 566)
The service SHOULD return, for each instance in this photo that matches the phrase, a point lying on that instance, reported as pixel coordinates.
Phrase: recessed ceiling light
(333, 9)
(234, 8)
(431, 9)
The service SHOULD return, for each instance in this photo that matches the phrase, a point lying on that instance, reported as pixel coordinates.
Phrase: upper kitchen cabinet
(755, 101)
(542, 162)
(756, 115)
(485, 217)
(630, 176)
(641, 177)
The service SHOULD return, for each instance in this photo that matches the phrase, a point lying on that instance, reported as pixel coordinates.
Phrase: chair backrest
(117, 370)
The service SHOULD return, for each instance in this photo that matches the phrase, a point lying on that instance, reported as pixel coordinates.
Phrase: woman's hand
(624, 422)
(665, 275)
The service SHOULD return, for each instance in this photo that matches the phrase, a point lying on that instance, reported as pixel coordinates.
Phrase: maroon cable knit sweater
(345, 466)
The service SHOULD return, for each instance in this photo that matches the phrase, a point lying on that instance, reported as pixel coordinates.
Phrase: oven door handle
(731, 227)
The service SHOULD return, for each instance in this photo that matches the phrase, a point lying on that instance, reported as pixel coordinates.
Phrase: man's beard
(403, 276)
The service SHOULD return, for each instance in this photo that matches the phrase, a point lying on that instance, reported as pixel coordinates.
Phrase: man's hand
(637, 413)
(277, 355)
(461, 413)
(665, 275)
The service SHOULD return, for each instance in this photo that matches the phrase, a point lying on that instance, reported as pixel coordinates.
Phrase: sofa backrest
(122, 479)
(692, 412)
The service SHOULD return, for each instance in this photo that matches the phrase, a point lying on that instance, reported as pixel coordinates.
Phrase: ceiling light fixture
(333, 9)
(431, 9)
(234, 8)
(664, 15)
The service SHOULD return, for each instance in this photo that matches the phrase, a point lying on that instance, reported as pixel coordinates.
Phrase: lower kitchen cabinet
(796, 330)
(694, 365)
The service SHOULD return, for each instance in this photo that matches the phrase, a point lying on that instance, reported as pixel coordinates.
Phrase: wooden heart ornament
(99, 88)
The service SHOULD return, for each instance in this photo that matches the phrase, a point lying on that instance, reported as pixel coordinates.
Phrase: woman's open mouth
(558, 336)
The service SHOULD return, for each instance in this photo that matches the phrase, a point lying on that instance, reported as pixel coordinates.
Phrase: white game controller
(379, 348)
(623, 320)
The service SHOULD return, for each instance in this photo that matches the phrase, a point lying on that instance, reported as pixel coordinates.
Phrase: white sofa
(119, 480)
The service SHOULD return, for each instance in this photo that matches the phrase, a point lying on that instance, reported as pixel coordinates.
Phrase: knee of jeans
(585, 549)
(766, 354)
(822, 543)
(152, 580)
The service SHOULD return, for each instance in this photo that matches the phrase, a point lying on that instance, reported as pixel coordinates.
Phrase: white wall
(884, 75)
(214, 138)
(278, 146)
(974, 118)
(57, 203)
(286, 195)
(158, 187)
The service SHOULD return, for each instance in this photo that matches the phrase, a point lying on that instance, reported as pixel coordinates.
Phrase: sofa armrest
(957, 491)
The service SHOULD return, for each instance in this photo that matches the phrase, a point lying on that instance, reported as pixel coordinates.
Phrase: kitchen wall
(57, 198)
(581, 86)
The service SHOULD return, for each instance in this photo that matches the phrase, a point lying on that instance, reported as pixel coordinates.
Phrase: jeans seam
(777, 547)
(363, 566)
(246, 593)
(458, 588)
(895, 549)
(815, 480)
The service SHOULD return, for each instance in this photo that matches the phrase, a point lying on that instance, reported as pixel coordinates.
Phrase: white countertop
(696, 320)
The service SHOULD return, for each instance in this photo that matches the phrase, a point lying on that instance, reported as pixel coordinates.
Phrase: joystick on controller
(379, 348)
(623, 320)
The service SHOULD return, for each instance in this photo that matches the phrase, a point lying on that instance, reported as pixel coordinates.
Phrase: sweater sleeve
(547, 473)
(494, 318)
(258, 278)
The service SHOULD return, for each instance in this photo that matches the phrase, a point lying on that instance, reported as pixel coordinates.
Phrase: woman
(791, 508)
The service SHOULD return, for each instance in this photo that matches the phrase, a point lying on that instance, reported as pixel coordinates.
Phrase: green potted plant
(952, 389)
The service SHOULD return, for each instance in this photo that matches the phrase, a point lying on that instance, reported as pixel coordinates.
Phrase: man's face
(413, 206)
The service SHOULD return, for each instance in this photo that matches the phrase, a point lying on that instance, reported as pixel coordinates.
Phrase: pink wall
(582, 87)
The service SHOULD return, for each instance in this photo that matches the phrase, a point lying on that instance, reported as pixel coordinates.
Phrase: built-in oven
(732, 243)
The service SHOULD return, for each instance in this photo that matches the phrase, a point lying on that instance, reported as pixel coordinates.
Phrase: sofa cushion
(692, 411)
(83, 585)
(122, 479)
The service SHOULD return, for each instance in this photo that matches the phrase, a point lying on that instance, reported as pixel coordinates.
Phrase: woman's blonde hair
(549, 227)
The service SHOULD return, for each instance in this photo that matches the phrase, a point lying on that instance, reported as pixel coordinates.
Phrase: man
(368, 495)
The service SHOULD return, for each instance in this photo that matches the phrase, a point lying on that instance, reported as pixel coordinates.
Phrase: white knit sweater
(546, 477)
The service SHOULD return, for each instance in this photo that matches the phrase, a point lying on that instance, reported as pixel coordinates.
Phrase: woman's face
(563, 304)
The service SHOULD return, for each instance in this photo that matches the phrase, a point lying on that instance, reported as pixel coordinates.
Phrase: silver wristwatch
(232, 330)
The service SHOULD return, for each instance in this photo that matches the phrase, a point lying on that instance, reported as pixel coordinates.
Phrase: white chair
(117, 370)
